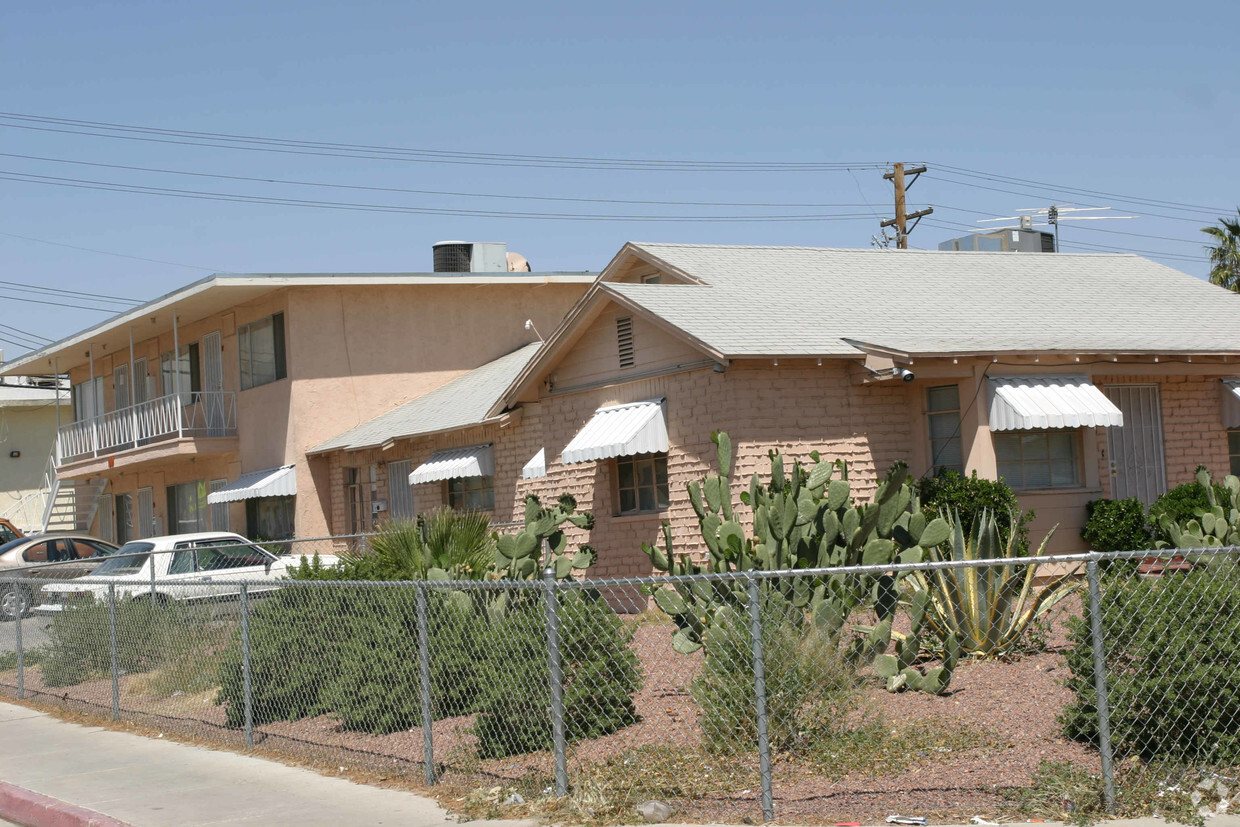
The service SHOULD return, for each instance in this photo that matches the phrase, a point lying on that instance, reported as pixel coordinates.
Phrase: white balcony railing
(212, 413)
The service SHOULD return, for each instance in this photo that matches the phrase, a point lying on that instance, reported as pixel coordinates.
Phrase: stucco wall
(31, 431)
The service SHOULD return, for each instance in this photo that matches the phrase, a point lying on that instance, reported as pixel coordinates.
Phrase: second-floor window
(187, 365)
(88, 399)
(260, 346)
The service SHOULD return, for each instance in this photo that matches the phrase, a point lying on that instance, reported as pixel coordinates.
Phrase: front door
(213, 384)
(1136, 449)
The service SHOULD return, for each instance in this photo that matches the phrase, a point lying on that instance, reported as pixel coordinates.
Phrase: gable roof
(460, 403)
(767, 302)
(787, 301)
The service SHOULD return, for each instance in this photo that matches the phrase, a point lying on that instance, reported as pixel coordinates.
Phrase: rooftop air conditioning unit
(471, 257)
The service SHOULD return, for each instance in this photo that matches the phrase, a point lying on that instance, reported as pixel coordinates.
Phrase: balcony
(163, 419)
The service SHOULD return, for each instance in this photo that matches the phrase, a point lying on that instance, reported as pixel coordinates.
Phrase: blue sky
(1124, 98)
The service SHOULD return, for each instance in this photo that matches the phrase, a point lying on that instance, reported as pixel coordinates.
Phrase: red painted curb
(25, 807)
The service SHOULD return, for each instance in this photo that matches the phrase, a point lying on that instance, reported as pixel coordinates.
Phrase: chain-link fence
(960, 688)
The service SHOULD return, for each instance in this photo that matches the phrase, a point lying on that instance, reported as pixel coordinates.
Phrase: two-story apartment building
(195, 410)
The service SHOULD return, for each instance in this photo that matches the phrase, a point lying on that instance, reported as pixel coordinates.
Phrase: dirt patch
(1010, 709)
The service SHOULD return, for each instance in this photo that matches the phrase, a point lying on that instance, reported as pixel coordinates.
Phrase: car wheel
(14, 602)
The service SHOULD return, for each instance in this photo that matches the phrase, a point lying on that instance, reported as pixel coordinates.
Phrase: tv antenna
(1053, 215)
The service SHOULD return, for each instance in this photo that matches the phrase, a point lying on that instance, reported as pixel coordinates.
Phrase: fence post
(759, 693)
(555, 678)
(247, 680)
(17, 630)
(424, 675)
(116, 687)
(1100, 685)
(152, 561)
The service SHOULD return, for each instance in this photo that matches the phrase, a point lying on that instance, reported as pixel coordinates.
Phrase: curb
(25, 807)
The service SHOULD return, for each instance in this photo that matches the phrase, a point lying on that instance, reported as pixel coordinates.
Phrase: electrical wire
(302, 147)
(110, 253)
(51, 291)
(25, 334)
(61, 304)
(110, 186)
(449, 193)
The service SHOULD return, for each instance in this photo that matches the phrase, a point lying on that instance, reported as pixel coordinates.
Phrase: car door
(230, 560)
(177, 573)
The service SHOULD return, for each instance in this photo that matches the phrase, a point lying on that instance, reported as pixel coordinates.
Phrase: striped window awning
(536, 467)
(274, 482)
(620, 431)
(1231, 403)
(454, 463)
(1040, 402)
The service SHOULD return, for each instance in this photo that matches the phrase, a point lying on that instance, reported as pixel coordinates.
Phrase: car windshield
(119, 564)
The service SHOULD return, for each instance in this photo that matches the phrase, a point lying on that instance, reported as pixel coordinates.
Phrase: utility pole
(896, 177)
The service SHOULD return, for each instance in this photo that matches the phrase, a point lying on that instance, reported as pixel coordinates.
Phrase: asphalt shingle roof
(787, 301)
(457, 404)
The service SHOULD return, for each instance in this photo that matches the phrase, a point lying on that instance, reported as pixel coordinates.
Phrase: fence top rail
(659, 580)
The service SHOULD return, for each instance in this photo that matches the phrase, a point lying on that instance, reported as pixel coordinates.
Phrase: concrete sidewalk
(67, 773)
(149, 782)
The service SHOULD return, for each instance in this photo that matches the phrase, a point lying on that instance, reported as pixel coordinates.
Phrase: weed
(1064, 790)
(30, 657)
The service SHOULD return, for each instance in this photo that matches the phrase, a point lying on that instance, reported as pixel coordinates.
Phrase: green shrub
(600, 675)
(147, 637)
(808, 685)
(1183, 503)
(967, 497)
(1172, 683)
(1116, 525)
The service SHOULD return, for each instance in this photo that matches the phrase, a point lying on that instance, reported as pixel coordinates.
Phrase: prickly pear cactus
(802, 519)
(520, 556)
(1218, 525)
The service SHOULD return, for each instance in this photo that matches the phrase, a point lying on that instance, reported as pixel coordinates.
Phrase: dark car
(73, 555)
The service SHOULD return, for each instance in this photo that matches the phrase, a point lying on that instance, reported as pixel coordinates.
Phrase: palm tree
(1225, 255)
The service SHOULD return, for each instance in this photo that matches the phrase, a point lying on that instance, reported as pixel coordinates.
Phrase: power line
(110, 253)
(26, 333)
(1076, 226)
(427, 192)
(1098, 193)
(303, 147)
(110, 186)
(53, 291)
(61, 304)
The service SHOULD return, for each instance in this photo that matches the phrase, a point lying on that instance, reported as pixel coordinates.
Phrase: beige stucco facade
(27, 432)
(352, 350)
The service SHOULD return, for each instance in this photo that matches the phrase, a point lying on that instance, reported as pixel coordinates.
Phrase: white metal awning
(536, 467)
(620, 431)
(274, 482)
(1231, 403)
(475, 461)
(1033, 402)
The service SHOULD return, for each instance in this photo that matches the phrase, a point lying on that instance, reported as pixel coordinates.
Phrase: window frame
(657, 462)
(1076, 441)
(187, 363)
(934, 442)
(202, 509)
(1233, 451)
(245, 351)
(485, 488)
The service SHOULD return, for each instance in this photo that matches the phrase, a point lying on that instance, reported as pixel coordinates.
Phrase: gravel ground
(1013, 704)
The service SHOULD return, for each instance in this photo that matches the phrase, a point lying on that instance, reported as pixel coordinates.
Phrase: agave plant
(440, 545)
(986, 609)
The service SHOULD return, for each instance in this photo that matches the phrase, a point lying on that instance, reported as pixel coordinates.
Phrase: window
(87, 399)
(7, 534)
(1039, 459)
(943, 418)
(655, 279)
(187, 507)
(219, 511)
(472, 493)
(190, 374)
(641, 483)
(260, 346)
(1233, 449)
(270, 518)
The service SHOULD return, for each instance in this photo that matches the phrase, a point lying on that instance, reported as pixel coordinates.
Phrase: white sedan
(178, 567)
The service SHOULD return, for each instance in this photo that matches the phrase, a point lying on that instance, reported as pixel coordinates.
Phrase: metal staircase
(71, 505)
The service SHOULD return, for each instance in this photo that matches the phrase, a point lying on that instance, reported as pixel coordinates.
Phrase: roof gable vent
(624, 341)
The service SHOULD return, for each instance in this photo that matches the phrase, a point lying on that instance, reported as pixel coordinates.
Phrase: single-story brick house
(1073, 377)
